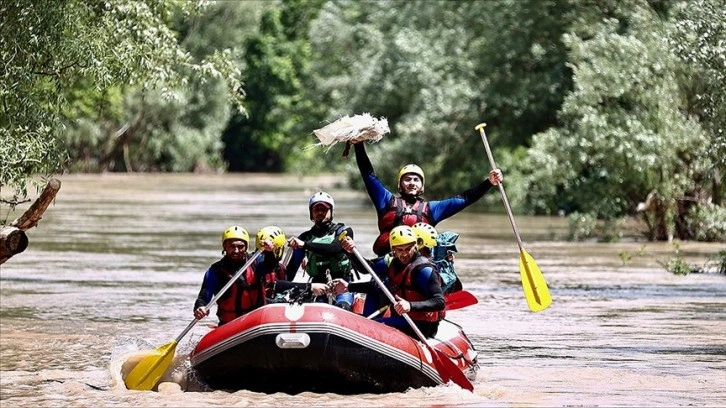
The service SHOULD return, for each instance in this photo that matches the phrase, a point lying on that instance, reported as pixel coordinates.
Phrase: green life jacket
(338, 264)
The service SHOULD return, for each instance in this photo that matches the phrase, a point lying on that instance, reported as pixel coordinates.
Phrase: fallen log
(13, 239)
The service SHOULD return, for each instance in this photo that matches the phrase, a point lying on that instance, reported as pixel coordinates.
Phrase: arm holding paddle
(403, 245)
(147, 373)
(428, 284)
(496, 177)
(341, 286)
(200, 311)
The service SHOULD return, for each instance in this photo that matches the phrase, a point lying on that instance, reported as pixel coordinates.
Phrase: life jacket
(401, 284)
(273, 276)
(245, 295)
(318, 264)
(399, 212)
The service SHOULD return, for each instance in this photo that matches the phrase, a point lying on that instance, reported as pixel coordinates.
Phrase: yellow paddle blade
(535, 288)
(151, 368)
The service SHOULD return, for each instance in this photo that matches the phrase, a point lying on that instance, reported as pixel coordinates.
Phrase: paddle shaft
(481, 127)
(377, 312)
(221, 292)
(448, 371)
(388, 294)
(288, 255)
(528, 273)
(150, 369)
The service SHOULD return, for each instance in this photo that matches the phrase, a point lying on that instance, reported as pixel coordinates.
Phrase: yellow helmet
(236, 232)
(426, 233)
(275, 234)
(411, 168)
(401, 235)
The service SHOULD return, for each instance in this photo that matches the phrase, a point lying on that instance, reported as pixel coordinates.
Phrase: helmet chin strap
(409, 197)
(324, 222)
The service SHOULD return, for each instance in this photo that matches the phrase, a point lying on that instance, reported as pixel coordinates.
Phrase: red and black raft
(317, 347)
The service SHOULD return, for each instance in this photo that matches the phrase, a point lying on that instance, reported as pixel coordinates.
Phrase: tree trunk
(717, 188)
(13, 239)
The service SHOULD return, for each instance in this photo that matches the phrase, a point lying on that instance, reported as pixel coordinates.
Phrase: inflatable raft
(317, 347)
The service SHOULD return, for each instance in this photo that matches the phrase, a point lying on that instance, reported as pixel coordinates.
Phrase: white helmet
(321, 197)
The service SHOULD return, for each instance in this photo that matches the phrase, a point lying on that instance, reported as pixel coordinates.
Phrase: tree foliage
(625, 144)
(435, 69)
(50, 47)
(595, 108)
(698, 37)
(281, 116)
(146, 131)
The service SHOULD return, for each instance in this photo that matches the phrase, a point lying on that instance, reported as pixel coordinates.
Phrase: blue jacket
(440, 210)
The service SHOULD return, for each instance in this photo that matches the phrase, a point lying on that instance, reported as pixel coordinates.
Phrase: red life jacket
(399, 212)
(246, 294)
(273, 276)
(402, 285)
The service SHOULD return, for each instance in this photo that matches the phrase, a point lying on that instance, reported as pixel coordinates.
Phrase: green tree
(625, 143)
(143, 131)
(435, 69)
(281, 116)
(699, 38)
(48, 48)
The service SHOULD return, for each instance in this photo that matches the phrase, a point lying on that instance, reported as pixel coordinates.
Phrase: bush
(721, 260)
(581, 226)
(584, 226)
(707, 222)
(677, 265)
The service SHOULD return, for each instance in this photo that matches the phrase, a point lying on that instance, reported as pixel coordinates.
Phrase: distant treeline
(596, 109)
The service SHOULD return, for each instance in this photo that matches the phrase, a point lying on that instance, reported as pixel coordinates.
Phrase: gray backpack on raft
(445, 242)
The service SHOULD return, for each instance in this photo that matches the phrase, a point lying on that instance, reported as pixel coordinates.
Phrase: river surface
(116, 263)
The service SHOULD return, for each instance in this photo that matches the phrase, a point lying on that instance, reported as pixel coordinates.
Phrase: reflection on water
(115, 265)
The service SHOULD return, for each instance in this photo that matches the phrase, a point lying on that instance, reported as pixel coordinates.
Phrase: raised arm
(379, 195)
(443, 209)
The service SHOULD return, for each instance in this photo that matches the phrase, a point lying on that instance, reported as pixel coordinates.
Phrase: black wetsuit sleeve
(200, 302)
(362, 287)
(332, 248)
(476, 192)
(361, 158)
(268, 263)
(357, 265)
(436, 301)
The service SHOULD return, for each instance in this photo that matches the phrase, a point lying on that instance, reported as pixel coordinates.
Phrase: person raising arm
(409, 207)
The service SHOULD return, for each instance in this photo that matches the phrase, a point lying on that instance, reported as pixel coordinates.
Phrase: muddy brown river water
(116, 263)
